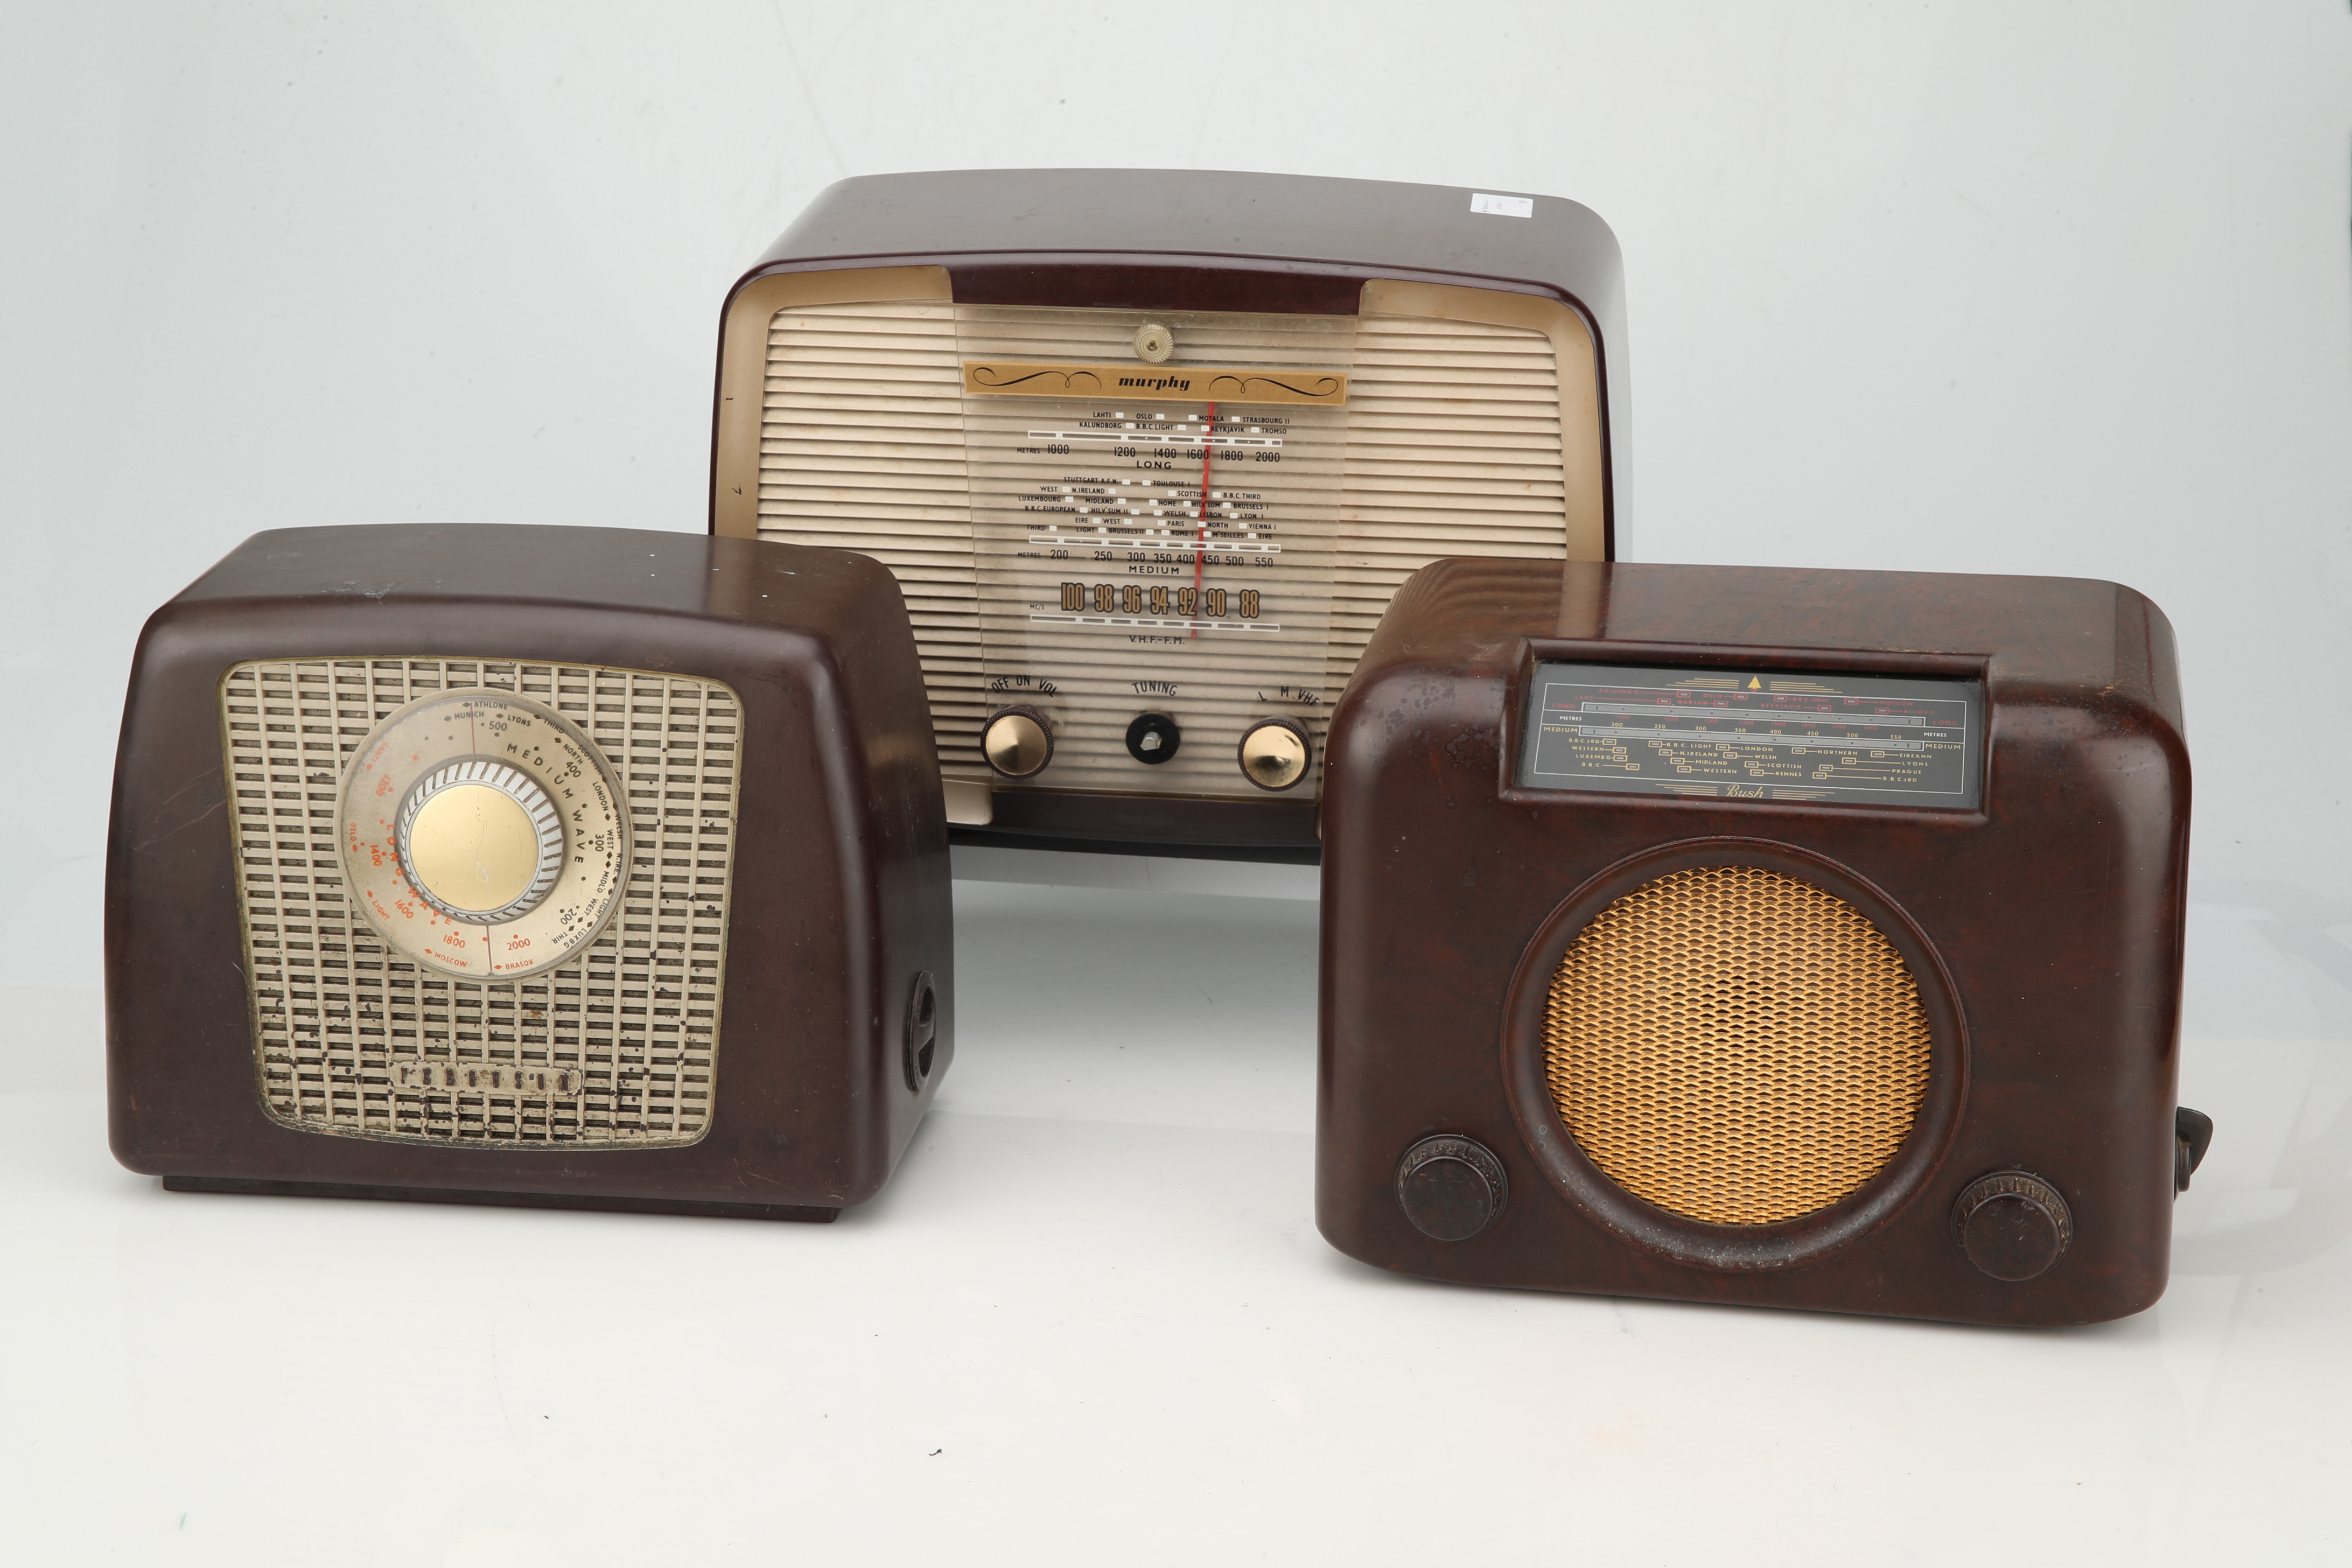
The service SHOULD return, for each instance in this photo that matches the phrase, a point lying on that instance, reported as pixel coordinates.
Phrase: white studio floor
(1091, 1322)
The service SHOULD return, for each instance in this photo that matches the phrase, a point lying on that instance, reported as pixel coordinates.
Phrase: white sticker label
(1503, 206)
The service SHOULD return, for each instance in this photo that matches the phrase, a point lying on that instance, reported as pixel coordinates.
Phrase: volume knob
(1451, 1188)
(479, 840)
(1017, 742)
(2013, 1224)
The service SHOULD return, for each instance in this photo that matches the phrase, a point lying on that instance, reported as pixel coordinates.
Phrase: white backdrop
(1965, 286)
(1992, 288)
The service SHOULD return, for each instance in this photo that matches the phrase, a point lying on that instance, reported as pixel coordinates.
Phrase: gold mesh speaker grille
(1736, 1045)
(618, 1047)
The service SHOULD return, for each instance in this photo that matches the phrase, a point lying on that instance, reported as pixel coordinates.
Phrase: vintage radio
(569, 866)
(1149, 452)
(1807, 938)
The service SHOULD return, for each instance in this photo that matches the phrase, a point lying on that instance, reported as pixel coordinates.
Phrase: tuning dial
(2011, 1225)
(1153, 738)
(479, 840)
(1153, 342)
(1451, 1188)
(1274, 754)
(1017, 742)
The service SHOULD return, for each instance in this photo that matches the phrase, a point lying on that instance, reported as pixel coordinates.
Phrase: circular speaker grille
(1736, 1045)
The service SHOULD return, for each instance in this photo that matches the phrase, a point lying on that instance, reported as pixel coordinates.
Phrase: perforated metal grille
(1736, 1045)
(620, 1048)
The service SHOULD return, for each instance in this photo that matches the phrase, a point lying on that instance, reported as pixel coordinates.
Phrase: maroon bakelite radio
(1149, 449)
(565, 867)
(1798, 938)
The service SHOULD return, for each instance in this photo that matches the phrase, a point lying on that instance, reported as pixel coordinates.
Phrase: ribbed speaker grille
(1736, 1045)
(1451, 445)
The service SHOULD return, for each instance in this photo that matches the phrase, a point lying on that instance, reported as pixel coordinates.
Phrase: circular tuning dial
(483, 834)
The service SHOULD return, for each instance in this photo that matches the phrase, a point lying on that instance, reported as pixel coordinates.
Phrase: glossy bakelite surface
(2043, 933)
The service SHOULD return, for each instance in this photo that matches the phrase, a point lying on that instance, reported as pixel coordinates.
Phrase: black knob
(2192, 1135)
(922, 1029)
(1153, 738)
(1451, 1188)
(2011, 1225)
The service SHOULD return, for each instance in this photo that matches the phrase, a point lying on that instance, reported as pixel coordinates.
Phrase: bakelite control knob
(922, 1028)
(1274, 754)
(1152, 738)
(1017, 742)
(1450, 1187)
(1153, 342)
(479, 840)
(2013, 1224)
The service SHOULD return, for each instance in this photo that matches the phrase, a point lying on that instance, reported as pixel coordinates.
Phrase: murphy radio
(1805, 939)
(566, 867)
(1150, 451)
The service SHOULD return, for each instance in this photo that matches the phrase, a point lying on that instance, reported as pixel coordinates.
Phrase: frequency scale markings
(1667, 713)
(1872, 739)
(1735, 736)
(1157, 519)
(1234, 434)
(1147, 623)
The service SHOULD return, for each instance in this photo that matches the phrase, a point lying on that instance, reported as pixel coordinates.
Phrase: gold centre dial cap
(479, 840)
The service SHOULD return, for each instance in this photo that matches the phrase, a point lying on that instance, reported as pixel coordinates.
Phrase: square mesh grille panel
(1736, 1045)
(618, 1048)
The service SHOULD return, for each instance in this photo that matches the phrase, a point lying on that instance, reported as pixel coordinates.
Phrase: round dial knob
(1152, 739)
(1017, 742)
(1274, 754)
(2013, 1224)
(480, 840)
(1451, 1188)
(1153, 342)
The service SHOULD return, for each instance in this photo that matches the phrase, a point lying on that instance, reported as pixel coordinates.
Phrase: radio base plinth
(239, 1186)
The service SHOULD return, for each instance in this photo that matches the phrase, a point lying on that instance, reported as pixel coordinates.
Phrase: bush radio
(1149, 452)
(569, 866)
(1807, 938)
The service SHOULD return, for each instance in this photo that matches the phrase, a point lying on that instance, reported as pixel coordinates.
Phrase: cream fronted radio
(1141, 452)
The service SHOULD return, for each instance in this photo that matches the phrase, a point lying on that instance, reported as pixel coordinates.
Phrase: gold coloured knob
(479, 840)
(1153, 342)
(1017, 742)
(1274, 754)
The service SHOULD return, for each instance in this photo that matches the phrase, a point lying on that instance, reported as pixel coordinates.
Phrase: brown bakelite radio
(1807, 938)
(1149, 452)
(567, 866)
